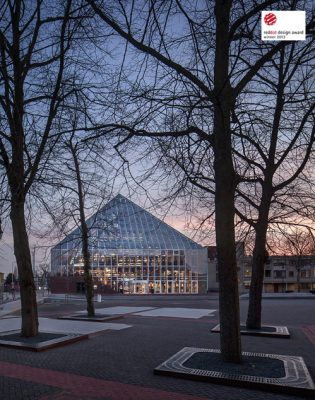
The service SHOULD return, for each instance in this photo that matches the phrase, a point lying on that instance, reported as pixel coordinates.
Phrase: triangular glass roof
(122, 224)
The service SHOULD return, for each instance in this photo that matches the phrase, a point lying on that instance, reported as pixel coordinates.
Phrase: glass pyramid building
(132, 251)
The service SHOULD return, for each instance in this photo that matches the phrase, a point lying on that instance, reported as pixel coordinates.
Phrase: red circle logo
(270, 19)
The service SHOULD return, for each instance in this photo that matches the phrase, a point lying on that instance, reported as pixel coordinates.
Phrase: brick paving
(85, 387)
(118, 365)
(309, 331)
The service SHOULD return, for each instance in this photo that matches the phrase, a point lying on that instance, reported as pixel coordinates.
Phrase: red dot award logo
(283, 25)
(270, 19)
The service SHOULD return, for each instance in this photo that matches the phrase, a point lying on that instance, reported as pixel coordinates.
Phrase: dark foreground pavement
(118, 365)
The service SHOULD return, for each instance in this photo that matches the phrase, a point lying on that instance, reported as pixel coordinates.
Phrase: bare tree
(201, 72)
(272, 148)
(298, 243)
(36, 81)
(43, 274)
(75, 185)
(89, 293)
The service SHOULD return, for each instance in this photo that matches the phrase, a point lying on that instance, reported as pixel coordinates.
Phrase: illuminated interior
(132, 251)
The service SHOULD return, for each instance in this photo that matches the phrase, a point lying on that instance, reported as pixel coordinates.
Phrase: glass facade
(132, 251)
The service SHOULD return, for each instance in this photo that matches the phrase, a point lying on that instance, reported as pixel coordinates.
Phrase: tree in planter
(77, 183)
(35, 40)
(202, 79)
(89, 293)
(271, 151)
(274, 152)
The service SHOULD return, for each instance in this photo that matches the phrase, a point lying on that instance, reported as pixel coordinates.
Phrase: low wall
(75, 284)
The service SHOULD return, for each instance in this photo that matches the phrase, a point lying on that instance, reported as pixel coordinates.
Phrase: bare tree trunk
(257, 279)
(89, 292)
(23, 259)
(228, 280)
(225, 191)
(259, 257)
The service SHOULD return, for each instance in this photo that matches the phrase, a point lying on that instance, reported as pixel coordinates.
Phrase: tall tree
(74, 149)
(200, 70)
(36, 80)
(272, 148)
(76, 183)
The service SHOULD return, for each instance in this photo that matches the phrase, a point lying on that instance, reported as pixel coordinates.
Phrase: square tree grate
(44, 340)
(294, 378)
(266, 330)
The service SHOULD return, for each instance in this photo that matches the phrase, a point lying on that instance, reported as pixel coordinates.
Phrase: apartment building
(290, 273)
(282, 273)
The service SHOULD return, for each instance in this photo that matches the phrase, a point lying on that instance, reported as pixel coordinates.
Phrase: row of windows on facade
(282, 274)
(291, 260)
(310, 273)
(155, 287)
(120, 260)
(176, 273)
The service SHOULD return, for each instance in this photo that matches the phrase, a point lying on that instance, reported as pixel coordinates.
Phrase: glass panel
(124, 235)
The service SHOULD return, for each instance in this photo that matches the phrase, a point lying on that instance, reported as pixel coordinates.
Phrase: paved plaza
(117, 361)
